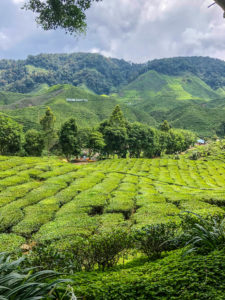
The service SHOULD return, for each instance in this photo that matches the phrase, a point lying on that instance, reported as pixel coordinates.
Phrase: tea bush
(45, 199)
(172, 277)
(152, 240)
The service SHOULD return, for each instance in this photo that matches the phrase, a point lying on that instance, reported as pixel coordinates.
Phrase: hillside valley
(187, 91)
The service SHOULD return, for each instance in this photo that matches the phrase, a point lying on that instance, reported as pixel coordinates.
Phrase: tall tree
(48, 122)
(66, 14)
(115, 133)
(68, 139)
(165, 126)
(34, 142)
(137, 138)
(117, 118)
(116, 140)
(95, 143)
(153, 147)
(10, 136)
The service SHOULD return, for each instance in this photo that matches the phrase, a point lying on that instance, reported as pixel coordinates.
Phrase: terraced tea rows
(49, 200)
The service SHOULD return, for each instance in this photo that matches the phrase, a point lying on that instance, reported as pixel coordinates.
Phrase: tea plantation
(47, 200)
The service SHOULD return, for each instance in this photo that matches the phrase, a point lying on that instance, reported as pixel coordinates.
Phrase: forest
(100, 74)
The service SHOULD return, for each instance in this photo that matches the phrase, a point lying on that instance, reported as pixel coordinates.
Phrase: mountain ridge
(171, 89)
(101, 74)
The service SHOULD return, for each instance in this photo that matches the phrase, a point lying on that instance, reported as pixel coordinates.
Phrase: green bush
(173, 277)
(101, 250)
(152, 240)
(55, 257)
(105, 248)
(10, 242)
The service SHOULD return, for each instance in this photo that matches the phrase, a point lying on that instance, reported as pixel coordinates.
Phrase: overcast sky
(135, 30)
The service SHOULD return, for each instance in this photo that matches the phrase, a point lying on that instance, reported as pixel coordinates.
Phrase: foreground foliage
(69, 14)
(204, 235)
(173, 277)
(27, 284)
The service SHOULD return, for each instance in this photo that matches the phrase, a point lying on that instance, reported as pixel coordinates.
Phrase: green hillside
(8, 98)
(187, 91)
(150, 99)
(102, 74)
(201, 119)
(210, 70)
(185, 101)
(98, 73)
(153, 84)
(29, 110)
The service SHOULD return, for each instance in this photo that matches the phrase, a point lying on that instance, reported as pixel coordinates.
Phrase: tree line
(114, 136)
(100, 74)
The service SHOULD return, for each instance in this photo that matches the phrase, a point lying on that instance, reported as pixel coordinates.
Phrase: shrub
(173, 277)
(106, 248)
(53, 256)
(154, 239)
(101, 250)
(10, 242)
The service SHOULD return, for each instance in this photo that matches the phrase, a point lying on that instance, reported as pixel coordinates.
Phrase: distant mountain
(210, 70)
(98, 73)
(187, 91)
(101, 74)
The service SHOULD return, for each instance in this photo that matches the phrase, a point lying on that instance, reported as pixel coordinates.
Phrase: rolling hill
(185, 101)
(187, 91)
(29, 109)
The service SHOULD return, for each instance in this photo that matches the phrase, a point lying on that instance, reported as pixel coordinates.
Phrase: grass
(45, 199)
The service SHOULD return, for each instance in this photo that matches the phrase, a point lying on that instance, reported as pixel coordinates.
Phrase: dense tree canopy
(47, 122)
(140, 140)
(95, 143)
(10, 136)
(34, 142)
(68, 138)
(66, 14)
(100, 74)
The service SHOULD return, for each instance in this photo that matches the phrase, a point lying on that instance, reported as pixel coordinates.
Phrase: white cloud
(136, 30)
(18, 1)
(4, 41)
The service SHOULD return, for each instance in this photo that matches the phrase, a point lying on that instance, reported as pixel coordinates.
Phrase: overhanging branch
(221, 3)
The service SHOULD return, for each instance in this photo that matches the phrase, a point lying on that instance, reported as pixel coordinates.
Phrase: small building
(76, 100)
(200, 142)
